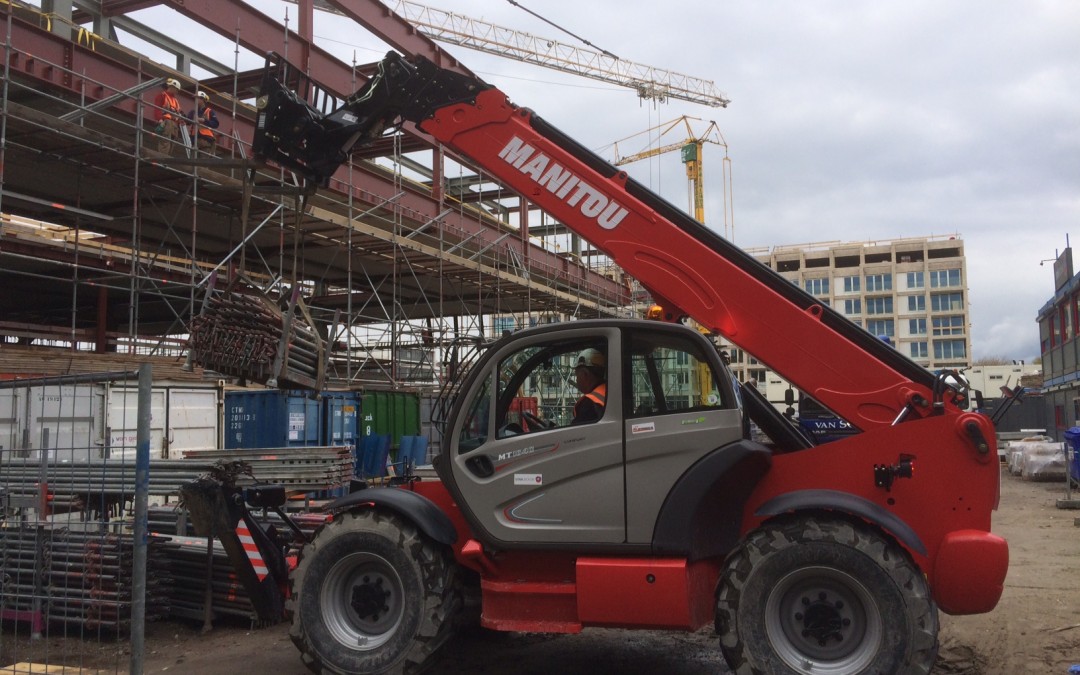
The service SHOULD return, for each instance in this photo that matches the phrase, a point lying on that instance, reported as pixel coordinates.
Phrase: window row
(877, 283)
(941, 325)
(939, 302)
(944, 350)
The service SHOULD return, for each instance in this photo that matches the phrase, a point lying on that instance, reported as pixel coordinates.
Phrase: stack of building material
(188, 557)
(297, 468)
(78, 485)
(174, 521)
(78, 578)
(241, 334)
(187, 596)
(1036, 458)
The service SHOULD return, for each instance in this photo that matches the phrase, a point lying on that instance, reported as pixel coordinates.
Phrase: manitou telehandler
(664, 513)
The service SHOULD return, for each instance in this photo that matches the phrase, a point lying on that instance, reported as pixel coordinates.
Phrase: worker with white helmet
(168, 114)
(590, 373)
(204, 121)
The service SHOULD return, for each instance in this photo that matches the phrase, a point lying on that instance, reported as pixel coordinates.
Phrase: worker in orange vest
(169, 115)
(589, 373)
(204, 120)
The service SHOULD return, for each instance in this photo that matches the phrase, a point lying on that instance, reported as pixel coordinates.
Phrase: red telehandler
(663, 513)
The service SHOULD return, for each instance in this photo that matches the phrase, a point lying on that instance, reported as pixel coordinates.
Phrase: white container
(81, 422)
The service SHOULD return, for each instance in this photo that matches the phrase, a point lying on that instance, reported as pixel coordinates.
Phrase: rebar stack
(79, 578)
(240, 334)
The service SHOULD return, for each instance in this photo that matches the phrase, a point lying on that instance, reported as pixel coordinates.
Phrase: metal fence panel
(66, 543)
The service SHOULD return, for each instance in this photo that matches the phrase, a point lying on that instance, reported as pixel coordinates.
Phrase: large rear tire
(827, 598)
(372, 595)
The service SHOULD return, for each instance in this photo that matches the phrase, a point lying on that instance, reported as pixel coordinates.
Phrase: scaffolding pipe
(142, 490)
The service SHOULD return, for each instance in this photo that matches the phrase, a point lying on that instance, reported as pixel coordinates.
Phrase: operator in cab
(590, 375)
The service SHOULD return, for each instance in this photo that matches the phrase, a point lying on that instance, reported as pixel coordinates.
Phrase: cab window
(538, 385)
(670, 373)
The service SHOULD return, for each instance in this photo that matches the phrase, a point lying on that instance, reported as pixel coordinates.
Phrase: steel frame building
(108, 245)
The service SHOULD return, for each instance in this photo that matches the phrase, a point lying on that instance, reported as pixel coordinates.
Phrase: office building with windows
(1059, 327)
(911, 290)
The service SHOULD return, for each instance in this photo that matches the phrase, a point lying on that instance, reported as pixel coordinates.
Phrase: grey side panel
(702, 515)
(419, 509)
(845, 502)
(659, 452)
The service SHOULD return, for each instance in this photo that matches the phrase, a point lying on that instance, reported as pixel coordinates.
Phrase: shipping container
(340, 418)
(391, 413)
(80, 422)
(271, 418)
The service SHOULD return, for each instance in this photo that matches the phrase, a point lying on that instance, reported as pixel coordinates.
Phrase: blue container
(270, 418)
(1072, 437)
(340, 418)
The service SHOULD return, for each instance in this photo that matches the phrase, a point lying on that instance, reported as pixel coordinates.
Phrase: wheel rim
(822, 620)
(362, 601)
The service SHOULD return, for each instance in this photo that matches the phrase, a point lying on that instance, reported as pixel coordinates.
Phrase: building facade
(912, 290)
(1059, 327)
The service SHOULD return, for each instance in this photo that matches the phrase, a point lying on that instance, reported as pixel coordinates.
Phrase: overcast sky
(849, 121)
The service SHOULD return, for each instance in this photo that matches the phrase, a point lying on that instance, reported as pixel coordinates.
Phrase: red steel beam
(115, 7)
(397, 32)
(261, 34)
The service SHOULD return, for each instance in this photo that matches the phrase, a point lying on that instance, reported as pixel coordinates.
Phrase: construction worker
(169, 115)
(590, 375)
(204, 121)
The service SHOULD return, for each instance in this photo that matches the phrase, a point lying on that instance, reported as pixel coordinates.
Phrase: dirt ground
(1035, 628)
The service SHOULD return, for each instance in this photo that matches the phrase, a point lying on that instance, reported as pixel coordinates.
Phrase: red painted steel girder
(115, 7)
(397, 32)
(261, 34)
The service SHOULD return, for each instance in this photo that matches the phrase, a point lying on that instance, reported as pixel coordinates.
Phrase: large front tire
(824, 597)
(372, 595)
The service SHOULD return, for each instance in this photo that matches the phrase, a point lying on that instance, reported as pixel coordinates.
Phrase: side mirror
(789, 397)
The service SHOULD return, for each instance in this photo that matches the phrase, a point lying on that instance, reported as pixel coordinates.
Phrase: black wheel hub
(822, 619)
(370, 598)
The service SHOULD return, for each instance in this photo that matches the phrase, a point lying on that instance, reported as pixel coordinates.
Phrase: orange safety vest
(170, 105)
(204, 129)
(597, 396)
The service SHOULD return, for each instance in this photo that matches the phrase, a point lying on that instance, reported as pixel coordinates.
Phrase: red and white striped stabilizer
(252, 551)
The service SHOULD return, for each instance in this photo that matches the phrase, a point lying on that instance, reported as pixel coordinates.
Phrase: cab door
(524, 471)
(682, 406)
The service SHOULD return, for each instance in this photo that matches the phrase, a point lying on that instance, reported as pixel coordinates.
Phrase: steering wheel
(536, 422)
(511, 429)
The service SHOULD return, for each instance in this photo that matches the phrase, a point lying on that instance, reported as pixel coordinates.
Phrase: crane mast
(693, 157)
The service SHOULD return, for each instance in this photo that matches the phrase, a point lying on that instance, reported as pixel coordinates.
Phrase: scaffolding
(112, 241)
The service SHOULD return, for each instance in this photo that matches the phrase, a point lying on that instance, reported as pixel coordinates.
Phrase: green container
(392, 413)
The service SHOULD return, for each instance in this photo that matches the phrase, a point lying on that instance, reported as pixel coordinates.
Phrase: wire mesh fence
(73, 557)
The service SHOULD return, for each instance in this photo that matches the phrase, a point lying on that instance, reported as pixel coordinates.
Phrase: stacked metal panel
(52, 575)
(188, 557)
(187, 596)
(297, 468)
(82, 484)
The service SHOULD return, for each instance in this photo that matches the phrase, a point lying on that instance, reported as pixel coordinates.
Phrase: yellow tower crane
(691, 147)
